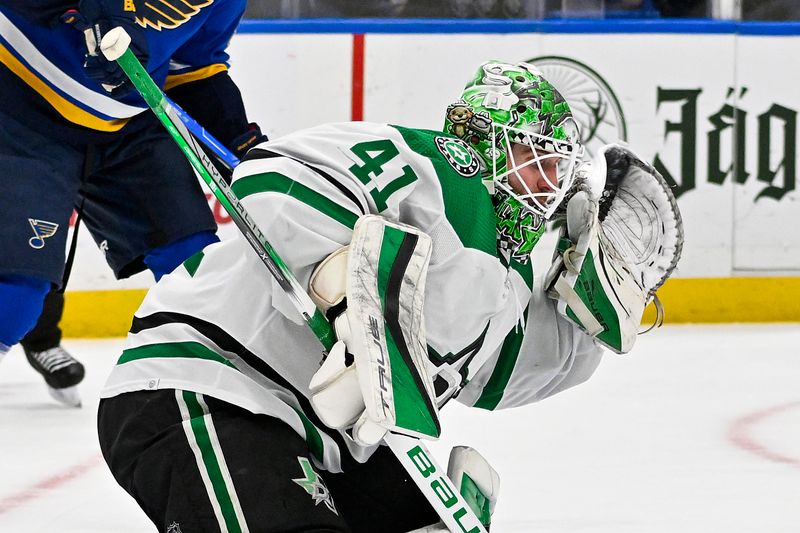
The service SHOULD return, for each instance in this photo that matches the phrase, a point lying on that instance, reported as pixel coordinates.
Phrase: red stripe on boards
(357, 101)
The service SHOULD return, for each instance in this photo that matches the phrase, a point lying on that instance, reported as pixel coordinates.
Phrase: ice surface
(697, 431)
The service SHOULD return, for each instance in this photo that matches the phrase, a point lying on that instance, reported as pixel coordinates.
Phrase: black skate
(61, 372)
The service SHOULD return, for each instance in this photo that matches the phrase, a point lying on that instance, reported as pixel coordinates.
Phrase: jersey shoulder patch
(458, 155)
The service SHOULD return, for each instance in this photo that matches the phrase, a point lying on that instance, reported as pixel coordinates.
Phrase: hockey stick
(433, 482)
(200, 133)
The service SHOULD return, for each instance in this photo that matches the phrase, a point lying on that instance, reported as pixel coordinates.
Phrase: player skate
(60, 371)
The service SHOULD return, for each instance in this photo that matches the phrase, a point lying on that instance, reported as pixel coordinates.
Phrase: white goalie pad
(387, 267)
(375, 378)
(622, 240)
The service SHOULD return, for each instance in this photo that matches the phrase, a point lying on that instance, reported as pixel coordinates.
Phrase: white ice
(697, 431)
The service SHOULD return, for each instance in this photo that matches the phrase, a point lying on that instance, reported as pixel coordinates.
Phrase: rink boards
(712, 104)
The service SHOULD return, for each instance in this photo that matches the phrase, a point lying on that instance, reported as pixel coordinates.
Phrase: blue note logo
(42, 230)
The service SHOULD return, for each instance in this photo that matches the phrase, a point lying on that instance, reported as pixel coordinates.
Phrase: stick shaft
(155, 99)
(432, 480)
(225, 155)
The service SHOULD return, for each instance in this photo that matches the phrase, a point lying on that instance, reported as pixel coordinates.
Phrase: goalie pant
(210, 466)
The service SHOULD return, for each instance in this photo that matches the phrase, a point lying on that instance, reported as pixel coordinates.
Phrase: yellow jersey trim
(65, 108)
(175, 80)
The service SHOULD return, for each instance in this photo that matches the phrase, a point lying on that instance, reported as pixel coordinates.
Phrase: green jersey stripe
(275, 182)
(193, 263)
(197, 432)
(313, 438)
(228, 343)
(173, 349)
(493, 390)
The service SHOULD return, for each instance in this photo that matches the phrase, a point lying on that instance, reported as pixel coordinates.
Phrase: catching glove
(623, 238)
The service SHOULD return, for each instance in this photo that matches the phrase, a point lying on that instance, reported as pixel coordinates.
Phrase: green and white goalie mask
(528, 145)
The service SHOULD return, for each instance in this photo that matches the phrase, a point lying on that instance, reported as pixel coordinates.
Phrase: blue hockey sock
(166, 258)
(21, 300)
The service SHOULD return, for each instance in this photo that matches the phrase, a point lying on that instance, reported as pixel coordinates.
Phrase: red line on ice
(741, 434)
(22, 497)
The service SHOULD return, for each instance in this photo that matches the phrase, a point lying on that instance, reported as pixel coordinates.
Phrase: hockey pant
(203, 465)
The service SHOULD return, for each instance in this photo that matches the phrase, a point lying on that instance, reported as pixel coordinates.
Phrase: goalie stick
(417, 460)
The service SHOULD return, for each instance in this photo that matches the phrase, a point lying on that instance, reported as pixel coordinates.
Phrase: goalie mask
(528, 144)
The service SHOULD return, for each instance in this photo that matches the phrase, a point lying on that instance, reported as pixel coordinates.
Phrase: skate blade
(68, 395)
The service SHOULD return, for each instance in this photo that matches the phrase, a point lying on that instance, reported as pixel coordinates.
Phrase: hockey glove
(95, 18)
(623, 238)
(239, 147)
(250, 138)
(375, 378)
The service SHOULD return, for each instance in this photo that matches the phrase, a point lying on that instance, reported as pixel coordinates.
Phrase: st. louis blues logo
(42, 229)
(167, 14)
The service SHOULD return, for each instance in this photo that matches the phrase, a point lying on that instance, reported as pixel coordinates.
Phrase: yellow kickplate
(720, 300)
(100, 313)
(686, 300)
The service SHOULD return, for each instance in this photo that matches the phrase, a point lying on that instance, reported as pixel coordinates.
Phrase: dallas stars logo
(314, 486)
(458, 154)
(174, 528)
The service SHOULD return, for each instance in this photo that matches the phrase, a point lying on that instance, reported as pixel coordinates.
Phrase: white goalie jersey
(219, 325)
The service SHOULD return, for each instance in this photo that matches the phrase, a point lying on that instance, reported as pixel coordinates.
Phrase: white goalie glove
(622, 240)
(375, 378)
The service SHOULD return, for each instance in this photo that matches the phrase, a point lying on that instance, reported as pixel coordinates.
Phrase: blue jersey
(43, 74)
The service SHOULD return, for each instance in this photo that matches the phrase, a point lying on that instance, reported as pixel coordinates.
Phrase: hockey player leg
(197, 463)
(164, 259)
(622, 240)
(42, 346)
(23, 301)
